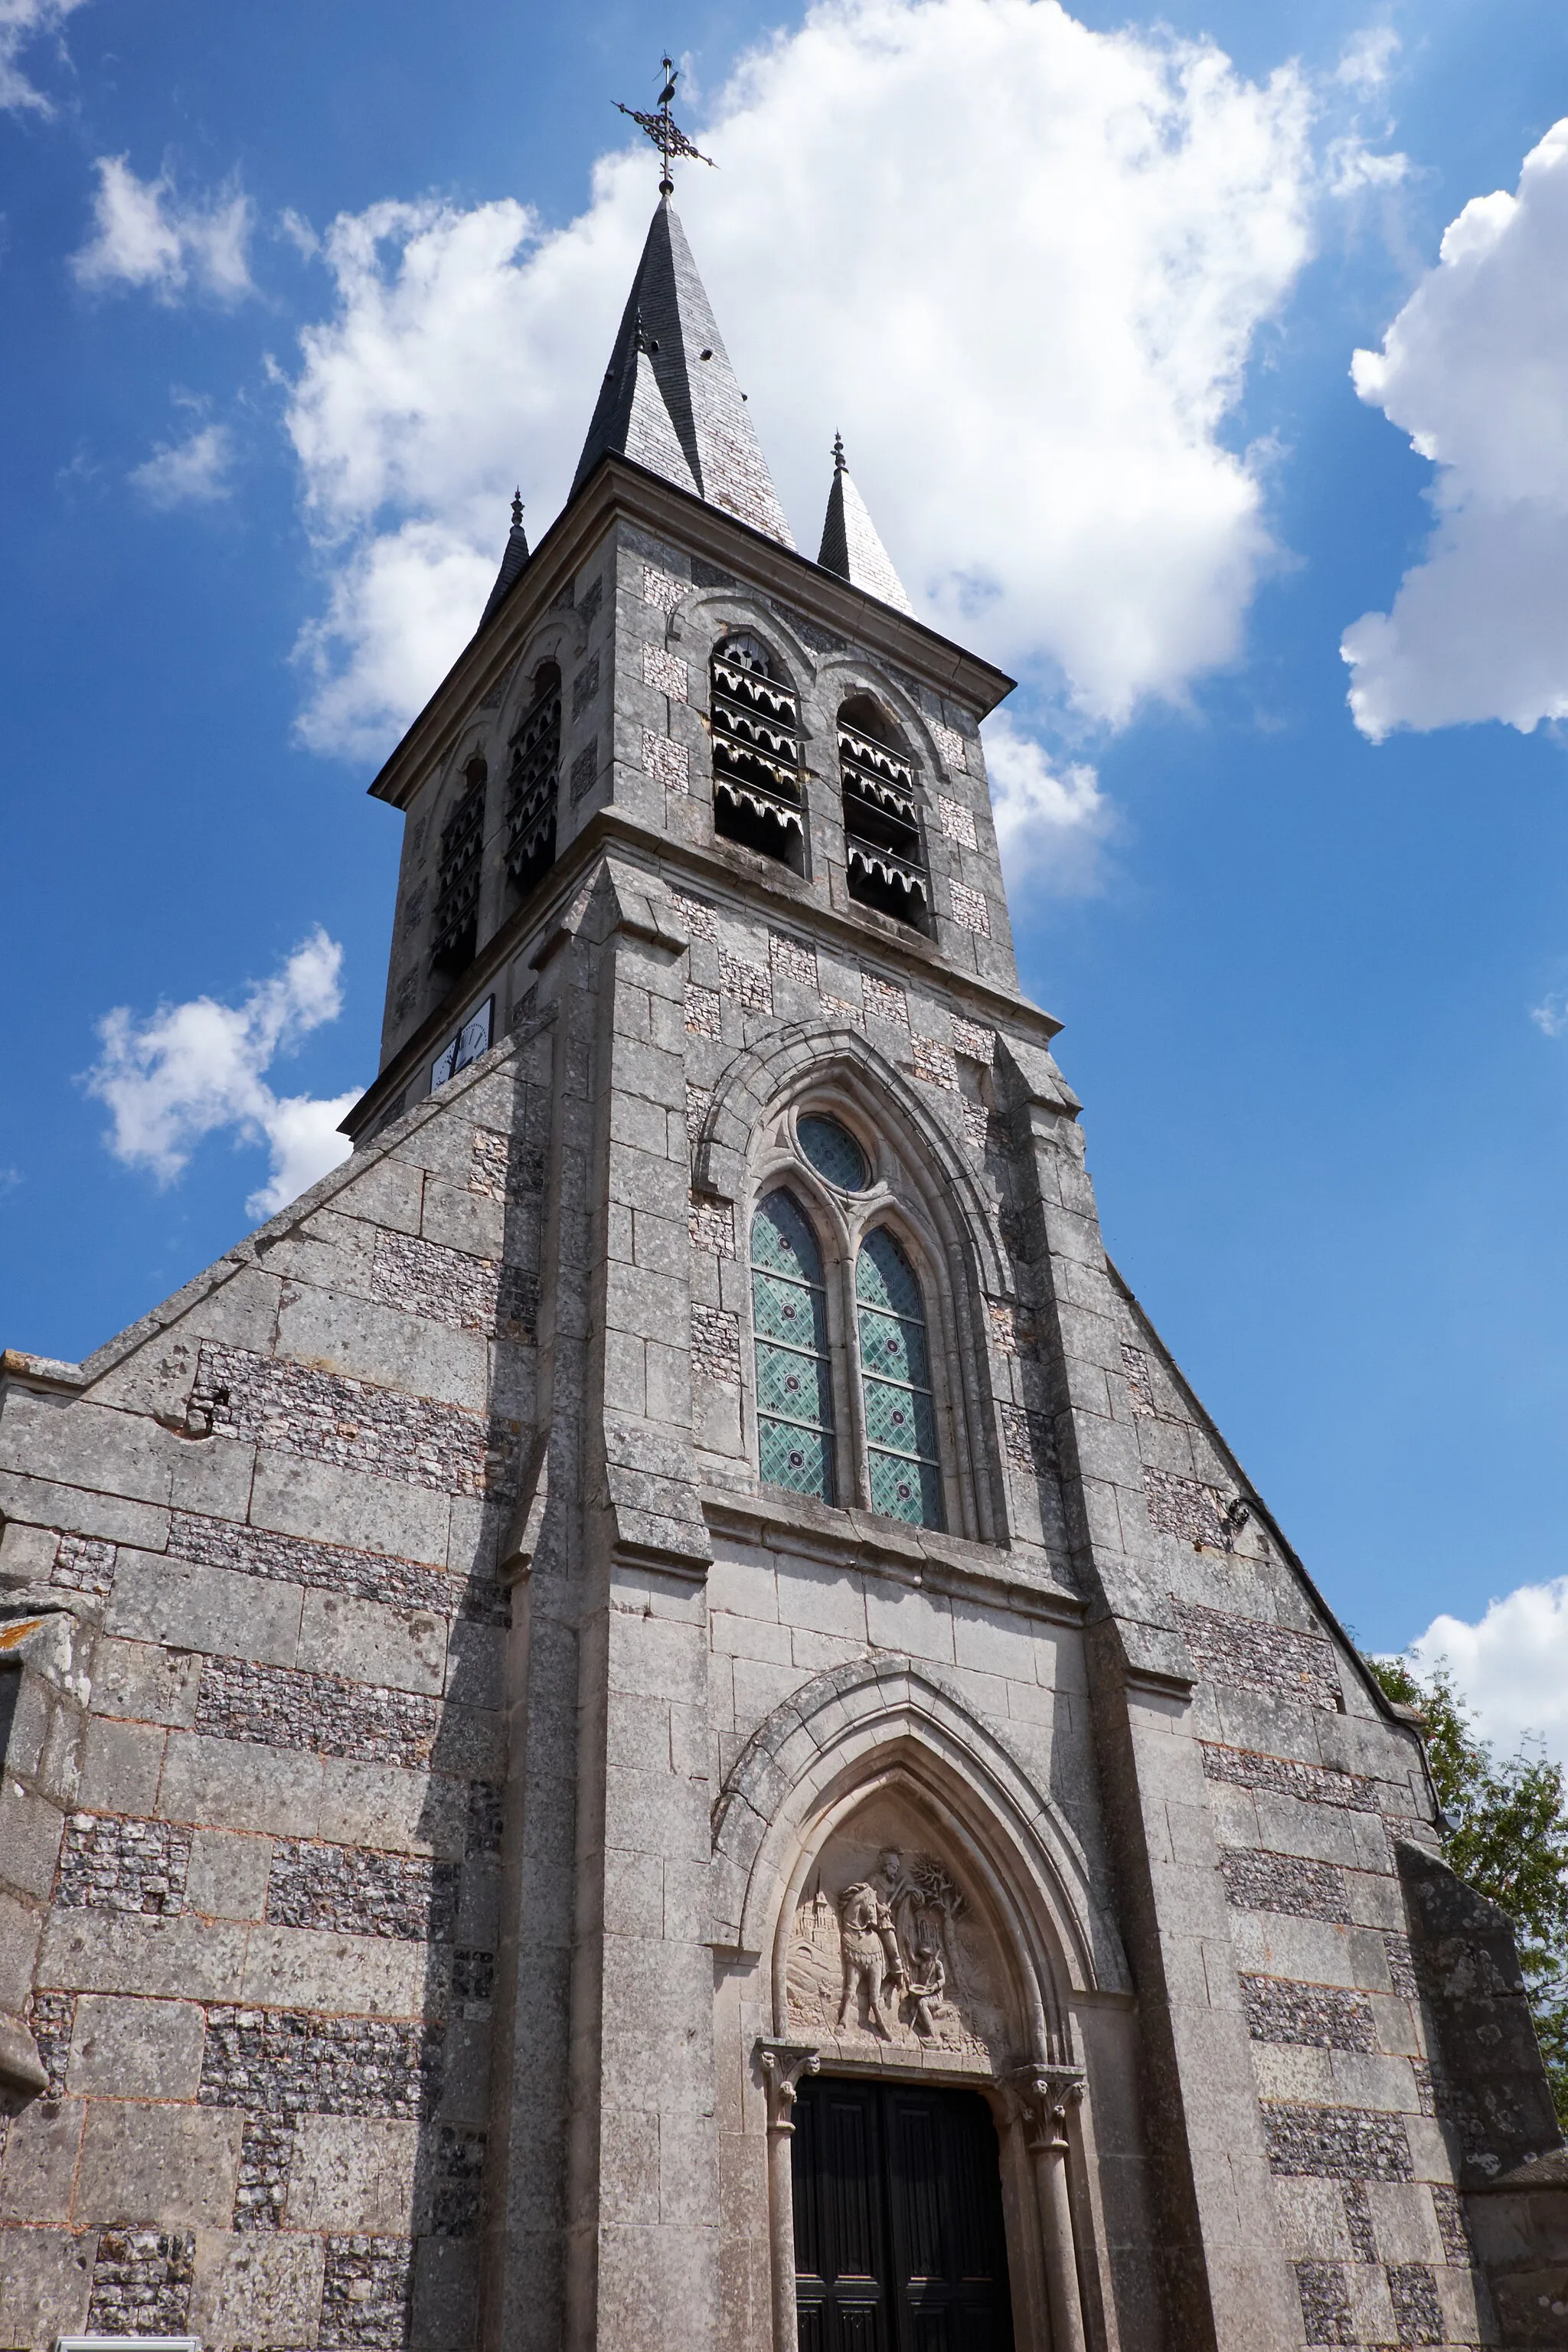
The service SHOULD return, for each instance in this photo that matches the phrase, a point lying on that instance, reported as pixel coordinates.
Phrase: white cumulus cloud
(1474, 370)
(22, 22)
(192, 472)
(191, 1070)
(1511, 1667)
(1033, 347)
(145, 234)
(1550, 1016)
(1052, 822)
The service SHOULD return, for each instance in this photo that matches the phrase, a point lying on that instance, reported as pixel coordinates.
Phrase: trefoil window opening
(895, 1383)
(755, 719)
(883, 854)
(456, 926)
(532, 780)
(794, 1386)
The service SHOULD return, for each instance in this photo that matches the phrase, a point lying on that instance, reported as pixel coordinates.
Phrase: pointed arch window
(895, 1382)
(794, 1388)
(757, 770)
(882, 847)
(455, 926)
(532, 781)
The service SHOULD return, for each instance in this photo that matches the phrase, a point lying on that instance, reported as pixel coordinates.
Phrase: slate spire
(850, 544)
(512, 562)
(670, 400)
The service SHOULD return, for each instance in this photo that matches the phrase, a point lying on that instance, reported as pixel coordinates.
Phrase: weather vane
(665, 132)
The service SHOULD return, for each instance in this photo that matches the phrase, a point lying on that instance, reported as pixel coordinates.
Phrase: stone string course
(356, 1891)
(326, 1568)
(1310, 2016)
(1140, 1387)
(108, 1863)
(1320, 1784)
(284, 1706)
(1335, 2143)
(367, 2295)
(83, 1564)
(1184, 1507)
(281, 2064)
(142, 2283)
(1249, 1655)
(321, 1417)
(716, 1343)
(1255, 1881)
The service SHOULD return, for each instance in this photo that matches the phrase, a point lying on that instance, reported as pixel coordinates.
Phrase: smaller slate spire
(850, 545)
(511, 562)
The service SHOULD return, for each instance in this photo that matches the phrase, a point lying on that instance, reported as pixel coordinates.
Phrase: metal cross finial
(664, 132)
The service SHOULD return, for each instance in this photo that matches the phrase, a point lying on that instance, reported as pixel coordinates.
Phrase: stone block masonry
(1183, 1507)
(321, 1417)
(1320, 1784)
(329, 1568)
(447, 1285)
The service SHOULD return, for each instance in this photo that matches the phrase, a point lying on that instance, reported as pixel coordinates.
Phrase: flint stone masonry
(1273, 1659)
(283, 1707)
(321, 1417)
(697, 915)
(669, 764)
(366, 2295)
(716, 1343)
(950, 746)
(1401, 1965)
(438, 1283)
(1418, 2312)
(585, 687)
(458, 2164)
(698, 1101)
(838, 1008)
(749, 985)
(703, 1017)
(1326, 2315)
(356, 1891)
(1256, 1880)
(1028, 1440)
(108, 1863)
(51, 2019)
(1183, 1506)
(1336, 2143)
(484, 1818)
(503, 1167)
(142, 2283)
(665, 672)
(935, 1065)
(976, 1043)
(266, 2157)
(884, 1001)
(712, 1225)
(1358, 2219)
(283, 2063)
(1140, 1387)
(662, 589)
(83, 1564)
(1320, 1784)
(971, 908)
(1316, 2016)
(793, 957)
(957, 821)
(590, 601)
(326, 1568)
(1452, 2228)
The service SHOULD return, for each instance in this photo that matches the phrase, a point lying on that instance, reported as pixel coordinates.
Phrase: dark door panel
(898, 2213)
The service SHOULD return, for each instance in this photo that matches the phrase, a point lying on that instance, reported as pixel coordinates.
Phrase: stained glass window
(795, 1392)
(895, 1374)
(834, 1153)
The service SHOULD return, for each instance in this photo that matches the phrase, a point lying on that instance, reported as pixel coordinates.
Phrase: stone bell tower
(655, 1719)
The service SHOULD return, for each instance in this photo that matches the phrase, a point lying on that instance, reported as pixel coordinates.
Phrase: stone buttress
(455, 1804)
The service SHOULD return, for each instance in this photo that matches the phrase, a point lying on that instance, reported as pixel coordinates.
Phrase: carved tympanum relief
(888, 1952)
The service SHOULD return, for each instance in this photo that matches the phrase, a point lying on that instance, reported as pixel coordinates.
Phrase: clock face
(471, 1040)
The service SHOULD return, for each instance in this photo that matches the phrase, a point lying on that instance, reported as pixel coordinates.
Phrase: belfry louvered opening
(532, 780)
(458, 875)
(757, 772)
(882, 847)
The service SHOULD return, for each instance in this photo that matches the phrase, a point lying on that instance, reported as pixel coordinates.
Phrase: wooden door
(898, 2240)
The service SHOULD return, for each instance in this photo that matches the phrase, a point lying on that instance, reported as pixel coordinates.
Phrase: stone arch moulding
(729, 611)
(893, 1724)
(845, 675)
(757, 1082)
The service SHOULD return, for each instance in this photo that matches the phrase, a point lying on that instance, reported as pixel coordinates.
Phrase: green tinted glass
(834, 1153)
(794, 1395)
(895, 1380)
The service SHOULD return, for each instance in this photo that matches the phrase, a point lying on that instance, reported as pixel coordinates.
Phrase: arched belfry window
(456, 926)
(794, 1388)
(882, 847)
(532, 780)
(757, 773)
(895, 1381)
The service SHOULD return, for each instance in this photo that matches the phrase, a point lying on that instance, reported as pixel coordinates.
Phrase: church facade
(655, 1720)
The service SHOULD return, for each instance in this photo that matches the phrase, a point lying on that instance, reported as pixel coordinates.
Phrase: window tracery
(456, 924)
(757, 768)
(532, 781)
(883, 852)
(795, 1387)
(895, 1382)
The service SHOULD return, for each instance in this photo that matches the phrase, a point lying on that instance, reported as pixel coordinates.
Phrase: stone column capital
(782, 2064)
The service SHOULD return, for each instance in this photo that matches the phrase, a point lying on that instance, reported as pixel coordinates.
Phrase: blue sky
(1099, 400)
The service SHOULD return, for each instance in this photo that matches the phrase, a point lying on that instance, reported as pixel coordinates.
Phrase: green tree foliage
(1508, 1834)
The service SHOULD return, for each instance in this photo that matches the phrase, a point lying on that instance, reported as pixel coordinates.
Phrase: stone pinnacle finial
(516, 509)
(839, 460)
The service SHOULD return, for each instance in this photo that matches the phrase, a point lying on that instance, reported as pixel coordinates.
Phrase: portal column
(1045, 2095)
(782, 2064)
